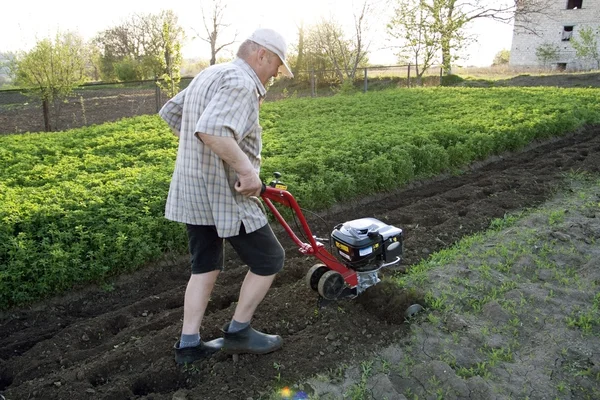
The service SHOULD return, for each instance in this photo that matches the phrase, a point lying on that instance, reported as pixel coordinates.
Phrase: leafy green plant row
(341, 147)
(82, 205)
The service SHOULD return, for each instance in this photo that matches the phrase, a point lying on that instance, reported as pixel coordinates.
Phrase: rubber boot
(203, 350)
(249, 340)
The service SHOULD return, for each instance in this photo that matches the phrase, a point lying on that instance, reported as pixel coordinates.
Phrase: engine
(367, 244)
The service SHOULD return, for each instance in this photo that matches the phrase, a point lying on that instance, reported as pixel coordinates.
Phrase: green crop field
(86, 204)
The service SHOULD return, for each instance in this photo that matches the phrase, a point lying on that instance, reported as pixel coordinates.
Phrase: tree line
(148, 46)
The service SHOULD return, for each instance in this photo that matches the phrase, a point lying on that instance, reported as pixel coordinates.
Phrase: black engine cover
(364, 244)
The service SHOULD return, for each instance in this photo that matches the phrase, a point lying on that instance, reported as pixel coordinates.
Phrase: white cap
(274, 42)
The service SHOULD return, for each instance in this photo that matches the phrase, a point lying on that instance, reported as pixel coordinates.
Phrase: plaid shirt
(222, 100)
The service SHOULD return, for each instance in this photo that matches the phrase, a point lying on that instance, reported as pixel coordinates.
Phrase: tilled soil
(115, 342)
(19, 114)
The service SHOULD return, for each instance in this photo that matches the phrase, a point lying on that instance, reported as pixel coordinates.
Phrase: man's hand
(249, 184)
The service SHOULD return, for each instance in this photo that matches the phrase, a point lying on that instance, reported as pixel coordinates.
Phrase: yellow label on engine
(342, 247)
(280, 186)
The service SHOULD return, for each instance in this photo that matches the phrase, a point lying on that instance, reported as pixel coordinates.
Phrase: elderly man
(216, 176)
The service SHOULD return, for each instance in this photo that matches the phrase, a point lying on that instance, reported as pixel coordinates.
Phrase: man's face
(269, 65)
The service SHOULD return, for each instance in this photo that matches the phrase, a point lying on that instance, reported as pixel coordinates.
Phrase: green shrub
(451, 80)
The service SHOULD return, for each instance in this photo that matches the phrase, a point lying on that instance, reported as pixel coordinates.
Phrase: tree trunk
(418, 72)
(46, 108)
(446, 37)
(446, 57)
(213, 49)
(300, 60)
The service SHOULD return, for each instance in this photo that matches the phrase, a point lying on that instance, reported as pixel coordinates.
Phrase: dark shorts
(260, 250)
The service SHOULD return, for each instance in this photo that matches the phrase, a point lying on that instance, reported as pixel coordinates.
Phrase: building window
(574, 4)
(561, 67)
(567, 33)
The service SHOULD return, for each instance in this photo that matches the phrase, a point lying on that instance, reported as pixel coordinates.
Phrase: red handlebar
(270, 194)
(284, 197)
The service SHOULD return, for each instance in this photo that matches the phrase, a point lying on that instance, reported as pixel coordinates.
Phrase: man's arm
(172, 112)
(249, 183)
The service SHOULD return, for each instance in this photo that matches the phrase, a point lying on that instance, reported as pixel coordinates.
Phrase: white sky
(23, 24)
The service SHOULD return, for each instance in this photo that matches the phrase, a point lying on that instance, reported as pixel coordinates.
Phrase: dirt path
(116, 342)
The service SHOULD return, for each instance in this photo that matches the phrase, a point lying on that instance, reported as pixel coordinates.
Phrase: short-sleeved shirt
(223, 100)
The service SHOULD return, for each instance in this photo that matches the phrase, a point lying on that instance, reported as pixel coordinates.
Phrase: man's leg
(197, 294)
(265, 257)
(206, 250)
(253, 291)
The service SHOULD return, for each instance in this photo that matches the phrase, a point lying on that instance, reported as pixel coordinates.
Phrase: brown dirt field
(19, 114)
(96, 105)
(116, 342)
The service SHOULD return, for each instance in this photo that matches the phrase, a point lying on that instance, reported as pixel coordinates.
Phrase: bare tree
(214, 28)
(299, 64)
(345, 54)
(138, 48)
(413, 27)
(313, 56)
(452, 17)
(524, 13)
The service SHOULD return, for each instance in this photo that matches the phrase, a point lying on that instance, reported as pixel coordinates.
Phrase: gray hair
(248, 47)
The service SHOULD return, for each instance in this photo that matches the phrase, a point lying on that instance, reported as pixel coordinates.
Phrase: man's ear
(261, 53)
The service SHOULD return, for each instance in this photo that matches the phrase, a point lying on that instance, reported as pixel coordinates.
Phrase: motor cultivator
(361, 247)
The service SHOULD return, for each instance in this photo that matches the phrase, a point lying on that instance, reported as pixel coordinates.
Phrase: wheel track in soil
(118, 344)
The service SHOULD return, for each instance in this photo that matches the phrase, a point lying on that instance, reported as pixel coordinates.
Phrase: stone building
(547, 43)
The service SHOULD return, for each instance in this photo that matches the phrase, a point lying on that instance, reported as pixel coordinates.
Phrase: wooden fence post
(312, 83)
(157, 96)
(366, 84)
(408, 78)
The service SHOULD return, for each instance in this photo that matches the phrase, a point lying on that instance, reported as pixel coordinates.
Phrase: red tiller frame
(314, 248)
